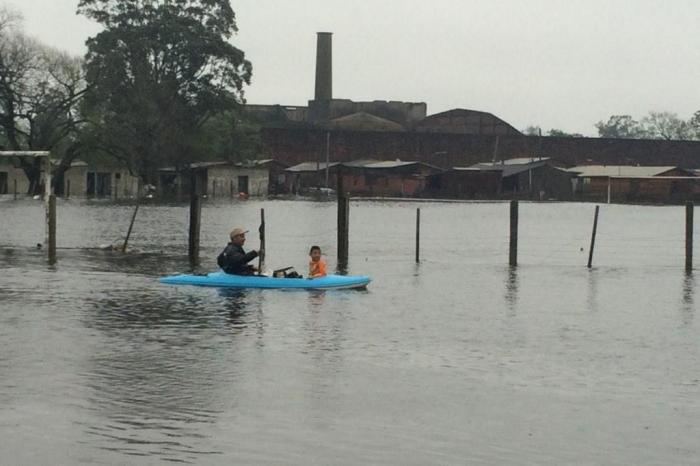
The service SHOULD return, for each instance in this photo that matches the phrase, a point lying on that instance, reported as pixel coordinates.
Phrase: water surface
(456, 360)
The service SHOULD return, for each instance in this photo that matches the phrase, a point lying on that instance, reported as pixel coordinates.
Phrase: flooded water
(457, 360)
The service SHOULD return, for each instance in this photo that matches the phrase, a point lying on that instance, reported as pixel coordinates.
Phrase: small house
(309, 175)
(524, 178)
(466, 183)
(630, 183)
(225, 179)
(386, 178)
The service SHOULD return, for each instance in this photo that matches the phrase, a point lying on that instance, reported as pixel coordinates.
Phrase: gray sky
(558, 64)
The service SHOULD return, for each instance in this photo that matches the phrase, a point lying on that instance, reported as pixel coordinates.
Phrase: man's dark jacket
(234, 260)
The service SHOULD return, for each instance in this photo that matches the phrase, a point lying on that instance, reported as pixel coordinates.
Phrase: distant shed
(631, 183)
(387, 178)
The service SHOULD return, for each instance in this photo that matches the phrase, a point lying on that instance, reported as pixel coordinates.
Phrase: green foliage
(160, 70)
(665, 125)
(40, 93)
(656, 125)
(537, 131)
(563, 134)
(533, 130)
(620, 126)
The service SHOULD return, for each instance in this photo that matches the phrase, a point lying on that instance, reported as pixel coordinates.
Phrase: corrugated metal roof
(208, 164)
(359, 163)
(523, 160)
(310, 166)
(492, 168)
(389, 164)
(512, 166)
(591, 171)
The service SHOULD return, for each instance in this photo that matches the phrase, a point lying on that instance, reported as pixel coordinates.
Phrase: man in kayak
(233, 259)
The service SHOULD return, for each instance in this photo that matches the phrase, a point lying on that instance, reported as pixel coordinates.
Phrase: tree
(533, 130)
(620, 126)
(160, 70)
(665, 125)
(40, 89)
(563, 134)
(694, 125)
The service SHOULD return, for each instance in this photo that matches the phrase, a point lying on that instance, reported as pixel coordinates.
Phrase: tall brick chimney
(324, 66)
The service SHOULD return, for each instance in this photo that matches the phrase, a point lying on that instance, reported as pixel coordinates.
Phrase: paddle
(261, 251)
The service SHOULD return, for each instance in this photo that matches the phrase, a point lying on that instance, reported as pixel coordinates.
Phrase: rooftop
(588, 171)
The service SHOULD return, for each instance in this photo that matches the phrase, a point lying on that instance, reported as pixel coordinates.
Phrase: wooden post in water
(195, 221)
(52, 229)
(261, 251)
(595, 229)
(50, 202)
(689, 237)
(513, 253)
(15, 184)
(131, 226)
(343, 224)
(328, 154)
(417, 235)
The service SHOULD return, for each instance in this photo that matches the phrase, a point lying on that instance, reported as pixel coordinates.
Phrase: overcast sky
(559, 64)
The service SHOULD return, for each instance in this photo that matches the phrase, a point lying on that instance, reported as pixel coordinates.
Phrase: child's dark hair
(314, 248)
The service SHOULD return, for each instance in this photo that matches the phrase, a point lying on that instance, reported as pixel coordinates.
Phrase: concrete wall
(15, 177)
(124, 185)
(223, 181)
(75, 182)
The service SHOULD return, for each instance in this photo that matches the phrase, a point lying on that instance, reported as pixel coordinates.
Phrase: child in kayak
(317, 264)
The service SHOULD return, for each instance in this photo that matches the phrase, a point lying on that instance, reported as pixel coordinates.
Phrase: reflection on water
(688, 298)
(592, 297)
(157, 374)
(511, 294)
(457, 360)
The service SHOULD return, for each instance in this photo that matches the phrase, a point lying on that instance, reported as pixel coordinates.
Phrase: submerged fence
(515, 234)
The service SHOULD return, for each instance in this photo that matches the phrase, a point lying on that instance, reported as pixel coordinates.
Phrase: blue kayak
(224, 280)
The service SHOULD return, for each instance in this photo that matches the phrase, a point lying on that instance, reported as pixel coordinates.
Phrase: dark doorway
(243, 184)
(3, 183)
(99, 184)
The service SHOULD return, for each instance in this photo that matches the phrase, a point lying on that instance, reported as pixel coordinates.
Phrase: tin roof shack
(531, 178)
(230, 179)
(308, 176)
(466, 183)
(626, 183)
(387, 178)
(276, 175)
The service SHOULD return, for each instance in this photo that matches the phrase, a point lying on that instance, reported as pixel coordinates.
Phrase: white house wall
(15, 177)
(223, 181)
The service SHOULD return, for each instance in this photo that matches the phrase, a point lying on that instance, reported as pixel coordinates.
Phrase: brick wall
(295, 145)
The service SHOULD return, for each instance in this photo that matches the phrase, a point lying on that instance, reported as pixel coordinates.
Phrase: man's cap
(238, 231)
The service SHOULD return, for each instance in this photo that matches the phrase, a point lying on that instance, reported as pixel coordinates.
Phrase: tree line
(160, 85)
(655, 125)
